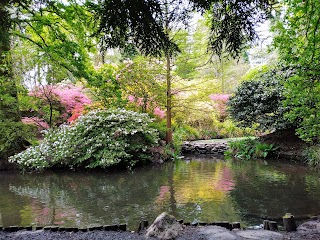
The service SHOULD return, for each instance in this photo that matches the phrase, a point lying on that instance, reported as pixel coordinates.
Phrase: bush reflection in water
(206, 190)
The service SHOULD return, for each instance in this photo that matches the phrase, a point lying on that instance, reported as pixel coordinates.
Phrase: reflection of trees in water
(10, 205)
(272, 190)
(195, 190)
(182, 189)
(203, 190)
(100, 198)
(49, 202)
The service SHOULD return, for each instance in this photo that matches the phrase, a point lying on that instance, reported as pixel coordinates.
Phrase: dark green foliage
(258, 101)
(303, 100)
(12, 131)
(8, 92)
(297, 41)
(144, 23)
(13, 137)
(249, 148)
(161, 128)
(106, 88)
(233, 24)
(129, 51)
(312, 156)
(136, 20)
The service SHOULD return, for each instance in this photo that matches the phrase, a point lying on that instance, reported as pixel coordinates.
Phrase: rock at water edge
(164, 227)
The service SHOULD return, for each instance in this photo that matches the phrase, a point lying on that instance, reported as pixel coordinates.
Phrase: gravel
(306, 231)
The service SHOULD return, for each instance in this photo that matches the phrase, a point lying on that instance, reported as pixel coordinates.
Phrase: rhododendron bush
(101, 138)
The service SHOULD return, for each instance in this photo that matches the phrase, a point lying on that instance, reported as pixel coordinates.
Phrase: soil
(290, 145)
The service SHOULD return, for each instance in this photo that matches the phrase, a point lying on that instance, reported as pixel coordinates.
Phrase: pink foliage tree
(68, 99)
(149, 105)
(40, 123)
(220, 104)
(160, 113)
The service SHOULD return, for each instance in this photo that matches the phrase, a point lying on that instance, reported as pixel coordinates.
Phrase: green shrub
(161, 127)
(250, 148)
(302, 98)
(183, 133)
(229, 129)
(312, 156)
(259, 101)
(101, 138)
(15, 137)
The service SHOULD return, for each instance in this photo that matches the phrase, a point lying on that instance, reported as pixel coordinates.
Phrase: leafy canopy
(145, 23)
(298, 40)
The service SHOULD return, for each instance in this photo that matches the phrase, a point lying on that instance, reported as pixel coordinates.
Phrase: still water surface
(206, 189)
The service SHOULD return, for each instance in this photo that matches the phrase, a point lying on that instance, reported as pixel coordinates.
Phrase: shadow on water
(207, 189)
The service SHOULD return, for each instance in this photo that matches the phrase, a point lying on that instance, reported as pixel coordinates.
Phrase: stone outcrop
(205, 147)
(164, 227)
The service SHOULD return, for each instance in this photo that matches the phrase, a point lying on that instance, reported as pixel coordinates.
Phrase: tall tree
(11, 129)
(143, 22)
(298, 42)
(54, 28)
(9, 109)
(146, 24)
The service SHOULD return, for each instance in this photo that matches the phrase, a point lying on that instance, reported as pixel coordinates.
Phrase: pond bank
(290, 147)
(307, 231)
(213, 146)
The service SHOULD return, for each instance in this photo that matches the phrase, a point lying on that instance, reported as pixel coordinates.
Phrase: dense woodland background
(84, 69)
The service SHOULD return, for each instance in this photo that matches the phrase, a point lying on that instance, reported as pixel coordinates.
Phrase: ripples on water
(206, 189)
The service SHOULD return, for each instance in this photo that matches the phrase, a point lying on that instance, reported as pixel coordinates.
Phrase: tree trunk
(9, 109)
(169, 103)
(168, 78)
(11, 129)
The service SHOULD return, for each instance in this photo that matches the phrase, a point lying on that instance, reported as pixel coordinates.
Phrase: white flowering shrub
(101, 138)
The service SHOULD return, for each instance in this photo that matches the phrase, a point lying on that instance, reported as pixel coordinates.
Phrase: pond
(199, 189)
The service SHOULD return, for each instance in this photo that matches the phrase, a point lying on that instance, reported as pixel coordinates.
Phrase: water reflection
(200, 189)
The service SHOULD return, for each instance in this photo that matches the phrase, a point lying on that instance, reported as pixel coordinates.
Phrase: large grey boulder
(164, 227)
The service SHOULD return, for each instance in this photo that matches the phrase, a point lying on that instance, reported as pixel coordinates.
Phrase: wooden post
(143, 225)
(273, 225)
(13, 228)
(289, 223)
(29, 228)
(224, 224)
(235, 225)
(122, 227)
(266, 225)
